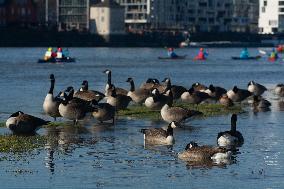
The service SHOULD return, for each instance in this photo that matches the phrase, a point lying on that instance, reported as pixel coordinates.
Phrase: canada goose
(21, 123)
(73, 108)
(238, 95)
(88, 95)
(51, 103)
(139, 95)
(279, 90)
(156, 101)
(256, 88)
(194, 97)
(119, 101)
(159, 135)
(176, 89)
(215, 91)
(104, 112)
(226, 101)
(109, 85)
(260, 104)
(199, 87)
(177, 114)
(232, 137)
(193, 152)
(150, 84)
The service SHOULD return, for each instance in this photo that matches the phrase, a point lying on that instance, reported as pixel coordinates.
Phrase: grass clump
(18, 144)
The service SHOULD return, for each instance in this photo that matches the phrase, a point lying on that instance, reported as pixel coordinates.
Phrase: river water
(105, 156)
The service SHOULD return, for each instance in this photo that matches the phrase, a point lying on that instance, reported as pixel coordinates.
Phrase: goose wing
(155, 132)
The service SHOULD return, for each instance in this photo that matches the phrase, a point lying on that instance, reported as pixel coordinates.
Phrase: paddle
(262, 52)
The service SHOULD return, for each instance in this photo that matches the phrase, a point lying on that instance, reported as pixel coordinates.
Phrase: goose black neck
(86, 86)
(169, 84)
(132, 86)
(233, 126)
(51, 86)
(171, 99)
(170, 131)
(109, 78)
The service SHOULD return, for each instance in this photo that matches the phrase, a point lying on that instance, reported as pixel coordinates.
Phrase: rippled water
(105, 156)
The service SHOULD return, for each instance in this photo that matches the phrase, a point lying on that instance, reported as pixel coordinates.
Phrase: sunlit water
(105, 156)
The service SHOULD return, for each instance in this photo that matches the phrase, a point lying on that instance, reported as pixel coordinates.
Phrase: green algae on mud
(18, 144)
(141, 112)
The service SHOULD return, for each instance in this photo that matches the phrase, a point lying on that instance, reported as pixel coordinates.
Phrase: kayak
(249, 58)
(172, 58)
(196, 58)
(56, 60)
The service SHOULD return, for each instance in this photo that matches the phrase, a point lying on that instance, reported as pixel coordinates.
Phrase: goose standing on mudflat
(177, 114)
(156, 101)
(195, 153)
(232, 137)
(139, 95)
(177, 90)
(88, 95)
(110, 86)
(104, 112)
(159, 135)
(256, 88)
(194, 97)
(238, 95)
(51, 103)
(119, 101)
(279, 90)
(21, 123)
(73, 108)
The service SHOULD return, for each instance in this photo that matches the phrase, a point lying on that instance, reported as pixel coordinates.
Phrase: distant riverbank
(43, 38)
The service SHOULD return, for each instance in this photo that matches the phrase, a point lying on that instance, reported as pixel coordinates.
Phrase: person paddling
(48, 53)
(273, 55)
(201, 54)
(171, 53)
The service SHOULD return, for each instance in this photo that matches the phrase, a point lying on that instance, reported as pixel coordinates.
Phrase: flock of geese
(76, 105)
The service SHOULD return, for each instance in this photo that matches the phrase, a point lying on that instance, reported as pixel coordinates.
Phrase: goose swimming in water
(232, 137)
(21, 123)
(159, 135)
(193, 153)
(279, 90)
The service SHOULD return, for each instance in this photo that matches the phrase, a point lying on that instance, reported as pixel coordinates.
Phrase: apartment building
(73, 15)
(193, 15)
(271, 16)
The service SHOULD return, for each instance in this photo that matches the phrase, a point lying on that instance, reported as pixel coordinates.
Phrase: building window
(281, 2)
(263, 9)
(274, 30)
(265, 3)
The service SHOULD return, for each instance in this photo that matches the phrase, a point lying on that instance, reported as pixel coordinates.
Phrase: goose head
(151, 80)
(191, 145)
(212, 88)
(107, 71)
(235, 89)
(190, 91)
(251, 83)
(155, 92)
(51, 77)
(130, 79)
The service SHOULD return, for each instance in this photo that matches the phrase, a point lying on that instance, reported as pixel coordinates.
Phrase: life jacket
(47, 54)
(59, 55)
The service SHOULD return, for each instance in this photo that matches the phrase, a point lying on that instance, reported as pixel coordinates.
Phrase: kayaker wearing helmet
(244, 54)
(171, 53)
(48, 54)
